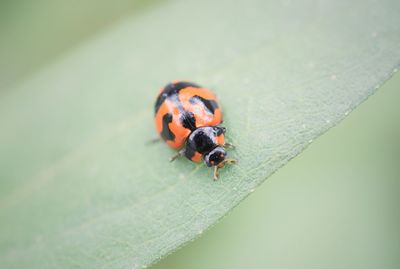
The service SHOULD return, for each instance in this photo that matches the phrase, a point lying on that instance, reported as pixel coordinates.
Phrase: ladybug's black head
(215, 157)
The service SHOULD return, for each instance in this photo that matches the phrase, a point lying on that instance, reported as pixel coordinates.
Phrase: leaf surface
(80, 187)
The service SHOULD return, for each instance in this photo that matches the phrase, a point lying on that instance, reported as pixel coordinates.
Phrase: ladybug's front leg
(216, 173)
(222, 164)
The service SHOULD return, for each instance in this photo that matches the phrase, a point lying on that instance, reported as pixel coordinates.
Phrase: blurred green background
(34, 33)
(334, 206)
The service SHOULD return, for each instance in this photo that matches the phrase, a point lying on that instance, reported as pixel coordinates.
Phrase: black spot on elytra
(211, 105)
(170, 90)
(166, 133)
(188, 120)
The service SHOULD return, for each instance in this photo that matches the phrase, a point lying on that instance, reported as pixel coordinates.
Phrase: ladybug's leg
(216, 173)
(179, 154)
(154, 140)
(222, 164)
(229, 161)
(228, 146)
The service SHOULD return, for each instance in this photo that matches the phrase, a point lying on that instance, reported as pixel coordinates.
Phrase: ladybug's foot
(179, 154)
(228, 146)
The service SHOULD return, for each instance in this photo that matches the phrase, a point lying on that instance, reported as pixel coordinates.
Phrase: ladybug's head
(215, 157)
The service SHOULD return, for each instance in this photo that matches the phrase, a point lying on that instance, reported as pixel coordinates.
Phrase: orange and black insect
(188, 119)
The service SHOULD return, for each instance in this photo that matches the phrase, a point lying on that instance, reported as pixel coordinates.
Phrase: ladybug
(188, 118)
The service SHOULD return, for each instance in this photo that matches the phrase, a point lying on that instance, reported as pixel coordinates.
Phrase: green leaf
(81, 188)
